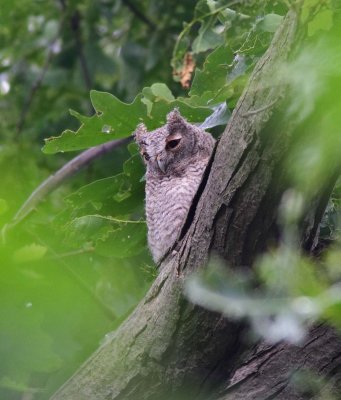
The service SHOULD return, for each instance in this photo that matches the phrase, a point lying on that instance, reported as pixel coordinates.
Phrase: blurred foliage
(74, 268)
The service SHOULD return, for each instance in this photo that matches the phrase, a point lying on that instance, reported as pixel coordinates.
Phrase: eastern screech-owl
(176, 156)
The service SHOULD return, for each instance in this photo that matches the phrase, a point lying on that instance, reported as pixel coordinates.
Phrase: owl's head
(174, 146)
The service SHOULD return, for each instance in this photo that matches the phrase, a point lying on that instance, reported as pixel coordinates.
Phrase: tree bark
(169, 347)
(283, 371)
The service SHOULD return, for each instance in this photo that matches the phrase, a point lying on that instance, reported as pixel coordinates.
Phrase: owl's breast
(168, 199)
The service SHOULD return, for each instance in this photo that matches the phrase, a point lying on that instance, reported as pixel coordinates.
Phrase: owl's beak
(162, 164)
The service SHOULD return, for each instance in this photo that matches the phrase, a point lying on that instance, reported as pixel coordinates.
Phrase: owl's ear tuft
(175, 120)
(140, 131)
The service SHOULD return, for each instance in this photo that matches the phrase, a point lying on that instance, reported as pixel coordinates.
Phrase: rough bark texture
(288, 372)
(167, 344)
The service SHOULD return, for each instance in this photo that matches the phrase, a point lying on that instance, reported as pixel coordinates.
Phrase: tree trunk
(169, 347)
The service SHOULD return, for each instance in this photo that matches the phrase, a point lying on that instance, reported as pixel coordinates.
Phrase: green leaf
(126, 241)
(161, 109)
(9, 383)
(201, 9)
(111, 237)
(160, 91)
(179, 52)
(30, 252)
(37, 353)
(157, 92)
(210, 85)
(207, 7)
(118, 195)
(115, 119)
(270, 22)
(323, 21)
(97, 192)
(207, 38)
(134, 169)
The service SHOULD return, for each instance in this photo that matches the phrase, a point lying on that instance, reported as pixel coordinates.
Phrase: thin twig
(72, 253)
(66, 172)
(132, 7)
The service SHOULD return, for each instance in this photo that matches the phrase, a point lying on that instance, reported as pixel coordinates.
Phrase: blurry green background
(74, 268)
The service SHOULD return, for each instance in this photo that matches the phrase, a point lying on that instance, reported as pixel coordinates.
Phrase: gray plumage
(175, 156)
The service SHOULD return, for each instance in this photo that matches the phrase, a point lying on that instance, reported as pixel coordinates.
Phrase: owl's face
(169, 148)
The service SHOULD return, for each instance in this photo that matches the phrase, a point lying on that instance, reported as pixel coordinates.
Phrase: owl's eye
(173, 141)
(172, 144)
(146, 156)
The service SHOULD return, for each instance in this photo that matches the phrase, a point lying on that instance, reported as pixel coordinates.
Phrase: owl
(175, 156)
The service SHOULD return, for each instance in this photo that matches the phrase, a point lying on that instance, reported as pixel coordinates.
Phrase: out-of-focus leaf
(333, 263)
(323, 21)
(270, 317)
(201, 9)
(3, 206)
(287, 272)
(309, 8)
(7, 382)
(36, 345)
(30, 253)
(279, 310)
(207, 38)
(270, 22)
(212, 16)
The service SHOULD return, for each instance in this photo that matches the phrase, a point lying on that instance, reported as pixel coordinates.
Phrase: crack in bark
(336, 368)
(314, 339)
(277, 392)
(258, 354)
(138, 333)
(156, 292)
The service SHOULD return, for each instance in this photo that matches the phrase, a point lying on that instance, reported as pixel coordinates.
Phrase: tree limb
(64, 173)
(132, 7)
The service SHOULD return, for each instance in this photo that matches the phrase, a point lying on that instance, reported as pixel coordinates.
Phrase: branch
(66, 172)
(132, 7)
